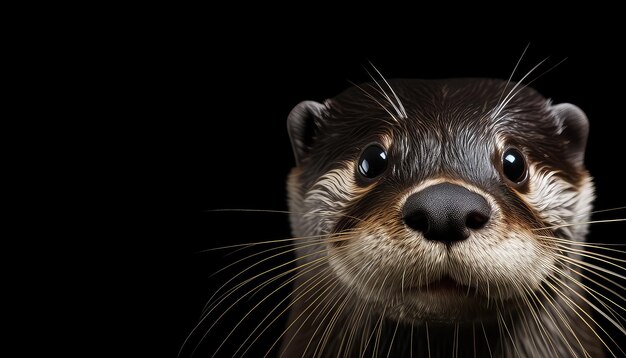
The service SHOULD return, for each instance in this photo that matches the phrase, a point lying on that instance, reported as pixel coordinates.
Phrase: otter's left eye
(514, 165)
(373, 161)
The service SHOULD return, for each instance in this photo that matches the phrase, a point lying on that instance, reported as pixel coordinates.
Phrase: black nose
(446, 212)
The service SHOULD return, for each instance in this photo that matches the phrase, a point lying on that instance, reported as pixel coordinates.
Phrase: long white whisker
(576, 264)
(607, 210)
(511, 95)
(512, 74)
(486, 340)
(561, 315)
(581, 223)
(538, 76)
(235, 289)
(324, 309)
(594, 245)
(314, 263)
(381, 91)
(312, 282)
(596, 295)
(402, 110)
(377, 102)
(576, 309)
(267, 259)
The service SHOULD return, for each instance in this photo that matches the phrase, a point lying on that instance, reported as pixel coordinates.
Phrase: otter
(430, 218)
(440, 218)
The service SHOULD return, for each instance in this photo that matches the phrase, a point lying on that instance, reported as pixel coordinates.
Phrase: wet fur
(360, 285)
(350, 294)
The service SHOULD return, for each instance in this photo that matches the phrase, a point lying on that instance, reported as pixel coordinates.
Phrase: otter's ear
(574, 128)
(303, 124)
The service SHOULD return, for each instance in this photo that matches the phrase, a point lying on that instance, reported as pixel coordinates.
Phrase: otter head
(439, 200)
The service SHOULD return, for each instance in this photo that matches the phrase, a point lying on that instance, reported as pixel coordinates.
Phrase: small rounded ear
(574, 129)
(303, 124)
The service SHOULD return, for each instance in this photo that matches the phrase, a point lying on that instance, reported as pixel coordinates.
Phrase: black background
(222, 105)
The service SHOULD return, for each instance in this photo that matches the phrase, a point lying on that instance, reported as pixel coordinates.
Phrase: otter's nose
(446, 212)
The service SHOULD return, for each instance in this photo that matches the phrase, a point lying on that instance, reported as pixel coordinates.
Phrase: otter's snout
(446, 212)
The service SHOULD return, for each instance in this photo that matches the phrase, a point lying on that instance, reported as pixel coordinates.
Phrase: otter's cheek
(325, 202)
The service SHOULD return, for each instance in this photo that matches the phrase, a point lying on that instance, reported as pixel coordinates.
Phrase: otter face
(439, 200)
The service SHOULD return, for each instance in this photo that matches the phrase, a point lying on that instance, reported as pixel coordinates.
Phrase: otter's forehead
(452, 127)
(443, 109)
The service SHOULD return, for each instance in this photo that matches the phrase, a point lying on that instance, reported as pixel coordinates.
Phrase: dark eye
(373, 161)
(514, 165)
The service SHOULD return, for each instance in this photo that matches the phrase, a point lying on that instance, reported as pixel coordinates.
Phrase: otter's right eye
(373, 161)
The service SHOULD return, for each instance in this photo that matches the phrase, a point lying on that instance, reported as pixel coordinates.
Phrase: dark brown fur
(451, 132)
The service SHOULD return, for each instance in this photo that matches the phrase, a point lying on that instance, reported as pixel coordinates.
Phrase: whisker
(512, 74)
(271, 211)
(332, 285)
(310, 309)
(321, 295)
(576, 263)
(292, 247)
(595, 245)
(411, 342)
(455, 341)
(365, 343)
(474, 338)
(594, 294)
(234, 289)
(377, 102)
(359, 318)
(599, 211)
(207, 314)
(329, 305)
(607, 210)
(402, 111)
(332, 323)
(506, 328)
(334, 254)
(588, 253)
(571, 302)
(580, 223)
(306, 287)
(486, 340)
(264, 260)
(380, 327)
(536, 78)
(252, 244)
(525, 326)
(262, 300)
(532, 300)
(382, 92)
(374, 331)
(511, 93)
(596, 267)
(326, 273)
(314, 304)
(360, 314)
(561, 315)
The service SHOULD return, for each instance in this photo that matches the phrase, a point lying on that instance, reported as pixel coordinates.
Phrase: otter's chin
(443, 300)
